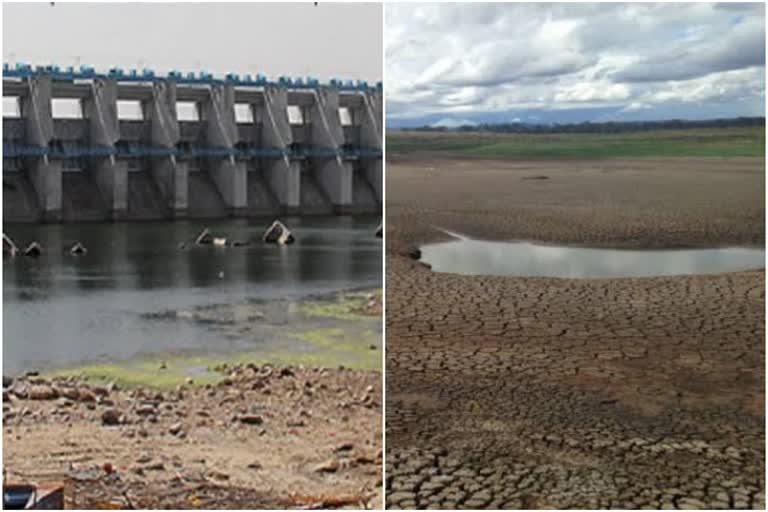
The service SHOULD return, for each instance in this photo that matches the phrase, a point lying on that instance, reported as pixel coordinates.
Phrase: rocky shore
(261, 437)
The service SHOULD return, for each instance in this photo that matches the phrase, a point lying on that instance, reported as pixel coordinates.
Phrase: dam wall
(85, 146)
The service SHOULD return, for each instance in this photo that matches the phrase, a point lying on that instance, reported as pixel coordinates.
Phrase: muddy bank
(639, 203)
(262, 436)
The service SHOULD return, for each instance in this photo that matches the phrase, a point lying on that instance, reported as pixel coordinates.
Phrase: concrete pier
(139, 146)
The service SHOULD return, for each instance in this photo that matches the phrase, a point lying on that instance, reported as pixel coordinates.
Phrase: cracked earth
(506, 392)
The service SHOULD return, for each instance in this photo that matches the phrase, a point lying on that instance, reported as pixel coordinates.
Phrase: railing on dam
(70, 73)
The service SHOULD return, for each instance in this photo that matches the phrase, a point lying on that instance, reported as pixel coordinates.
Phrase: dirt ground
(507, 392)
(263, 437)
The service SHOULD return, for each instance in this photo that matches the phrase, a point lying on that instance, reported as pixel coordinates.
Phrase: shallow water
(61, 310)
(479, 257)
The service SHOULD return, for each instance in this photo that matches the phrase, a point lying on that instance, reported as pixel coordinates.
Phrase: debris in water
(278, 233)
(33, 250)
(78, 249)
(204, 238)
(9, 246)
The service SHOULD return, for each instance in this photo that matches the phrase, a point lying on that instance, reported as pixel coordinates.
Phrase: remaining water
(62, 309)
(478, 257)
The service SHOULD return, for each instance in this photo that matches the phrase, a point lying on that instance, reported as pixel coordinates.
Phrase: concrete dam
(85, 146)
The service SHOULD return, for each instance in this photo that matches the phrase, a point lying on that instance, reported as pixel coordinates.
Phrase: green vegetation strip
(350, 306)
(712, 142)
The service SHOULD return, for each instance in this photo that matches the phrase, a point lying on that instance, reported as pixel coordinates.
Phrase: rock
(86, 395)
(33, 250)
(204, 238)
(278, 233)
(344, 447)
(145, 410)
(42, 392)
(110, 417)
(412, 252)
(78, 249)
(251, 419)
(70, 393)
(7, 381)
(175, 429)
(144, 458)
(255, 465)
(329, 466)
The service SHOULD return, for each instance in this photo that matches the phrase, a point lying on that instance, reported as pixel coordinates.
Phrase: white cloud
(456, 59)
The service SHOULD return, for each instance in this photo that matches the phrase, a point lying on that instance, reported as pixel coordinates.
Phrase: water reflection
(64, 309)
(478, 257)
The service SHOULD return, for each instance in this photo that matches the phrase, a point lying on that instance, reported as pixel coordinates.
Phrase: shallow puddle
(480, 257)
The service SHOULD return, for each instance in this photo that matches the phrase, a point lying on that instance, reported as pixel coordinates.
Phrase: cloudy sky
(448, 64)
(325, 41)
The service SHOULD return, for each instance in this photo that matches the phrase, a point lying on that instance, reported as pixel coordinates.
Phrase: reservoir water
(61, 309)
(479, 257)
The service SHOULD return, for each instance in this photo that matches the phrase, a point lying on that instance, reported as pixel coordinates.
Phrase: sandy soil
(263, 437)
(555, 393)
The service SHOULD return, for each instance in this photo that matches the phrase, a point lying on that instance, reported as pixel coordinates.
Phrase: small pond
(519, 258)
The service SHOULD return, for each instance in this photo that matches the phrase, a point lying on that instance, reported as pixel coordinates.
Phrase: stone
(278, 233)
(110, 417)
(7, 381)
(175, 429)
(78, 249)
(42, 392)
(145, 410)
(33, 250)
(413, 253)
(329, 466)
(204, 238)
(251, 419)
(9, 246)
(86, 395)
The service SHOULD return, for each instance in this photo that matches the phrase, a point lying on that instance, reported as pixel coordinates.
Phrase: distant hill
(589, 127)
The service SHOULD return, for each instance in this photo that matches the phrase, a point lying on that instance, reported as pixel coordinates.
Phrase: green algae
(348, 306)
(321, 348)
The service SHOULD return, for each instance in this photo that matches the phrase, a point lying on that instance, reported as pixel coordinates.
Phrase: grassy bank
(715, 142)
